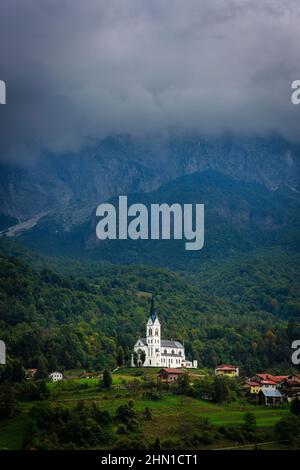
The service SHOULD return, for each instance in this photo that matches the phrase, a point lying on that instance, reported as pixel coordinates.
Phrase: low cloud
(77, 71)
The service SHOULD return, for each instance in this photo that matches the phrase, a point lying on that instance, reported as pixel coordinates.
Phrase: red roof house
(227, 369)
(270, 380)
(168, 375)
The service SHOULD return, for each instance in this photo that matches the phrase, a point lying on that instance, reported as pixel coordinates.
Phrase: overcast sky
(77, 70)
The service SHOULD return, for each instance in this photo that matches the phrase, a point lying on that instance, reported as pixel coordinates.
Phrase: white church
(153, 351)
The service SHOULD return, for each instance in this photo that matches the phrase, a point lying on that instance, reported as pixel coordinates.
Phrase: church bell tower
(153, 331)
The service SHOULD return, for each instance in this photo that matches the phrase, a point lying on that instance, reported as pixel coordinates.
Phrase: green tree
(142, 357)
(249, 422)
(295, 407)
(135, 358)
(126, 412)
(183, 383)
(37, 390)
(8, 402)
(203, 388)
(156, 444)
(120, 357)
(42, 368)
(220, 390)
(12, 372)
(288, 428)
(43, 391)
(148, 413)
(107, 379)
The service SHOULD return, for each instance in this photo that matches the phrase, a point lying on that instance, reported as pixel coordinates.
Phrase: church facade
(152, 351)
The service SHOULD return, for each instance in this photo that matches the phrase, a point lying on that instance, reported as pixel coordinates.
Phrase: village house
(252, 387)
(271, 389)
(270, 397)
(168, 375)
(227, 370)
(269, 381)
(30, 373)
(270, 384)
(56, 376)
(290, 387)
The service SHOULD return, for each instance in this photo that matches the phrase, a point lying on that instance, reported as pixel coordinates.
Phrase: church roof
(166, 343)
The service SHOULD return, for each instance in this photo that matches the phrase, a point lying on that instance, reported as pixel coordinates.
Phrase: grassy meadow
(173, 415)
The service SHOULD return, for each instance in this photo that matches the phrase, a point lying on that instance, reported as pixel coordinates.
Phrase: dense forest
(74, 314)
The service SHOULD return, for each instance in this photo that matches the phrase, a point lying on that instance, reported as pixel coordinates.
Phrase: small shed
(270, 397)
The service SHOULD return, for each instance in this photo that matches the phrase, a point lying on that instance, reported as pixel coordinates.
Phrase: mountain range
(71, 185)
(239, 217)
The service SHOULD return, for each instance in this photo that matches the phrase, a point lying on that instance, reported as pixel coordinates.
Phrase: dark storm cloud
(79, 70)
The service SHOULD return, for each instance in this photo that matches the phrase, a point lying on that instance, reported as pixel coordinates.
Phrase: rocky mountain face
(272, 162)
(61, 184)
(69, 186)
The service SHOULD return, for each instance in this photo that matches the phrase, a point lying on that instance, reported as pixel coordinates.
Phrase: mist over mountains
(78, 72)
(71, 185)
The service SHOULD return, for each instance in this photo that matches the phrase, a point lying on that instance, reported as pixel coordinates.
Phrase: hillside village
(262, 389)
(151, 407)
(173, 368)
(158, 398)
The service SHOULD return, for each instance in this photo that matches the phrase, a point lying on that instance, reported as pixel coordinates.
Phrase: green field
(172, 416)
(183, 408)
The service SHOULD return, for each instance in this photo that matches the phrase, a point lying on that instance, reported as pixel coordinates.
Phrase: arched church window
(150, 331)
(156, 332)
(172, 351)
(165, 351)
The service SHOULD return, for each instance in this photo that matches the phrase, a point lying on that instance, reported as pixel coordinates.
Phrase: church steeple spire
(153, 332)
(153, 314)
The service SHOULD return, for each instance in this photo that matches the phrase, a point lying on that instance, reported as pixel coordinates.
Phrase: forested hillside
(267, 280)
(55, 318)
